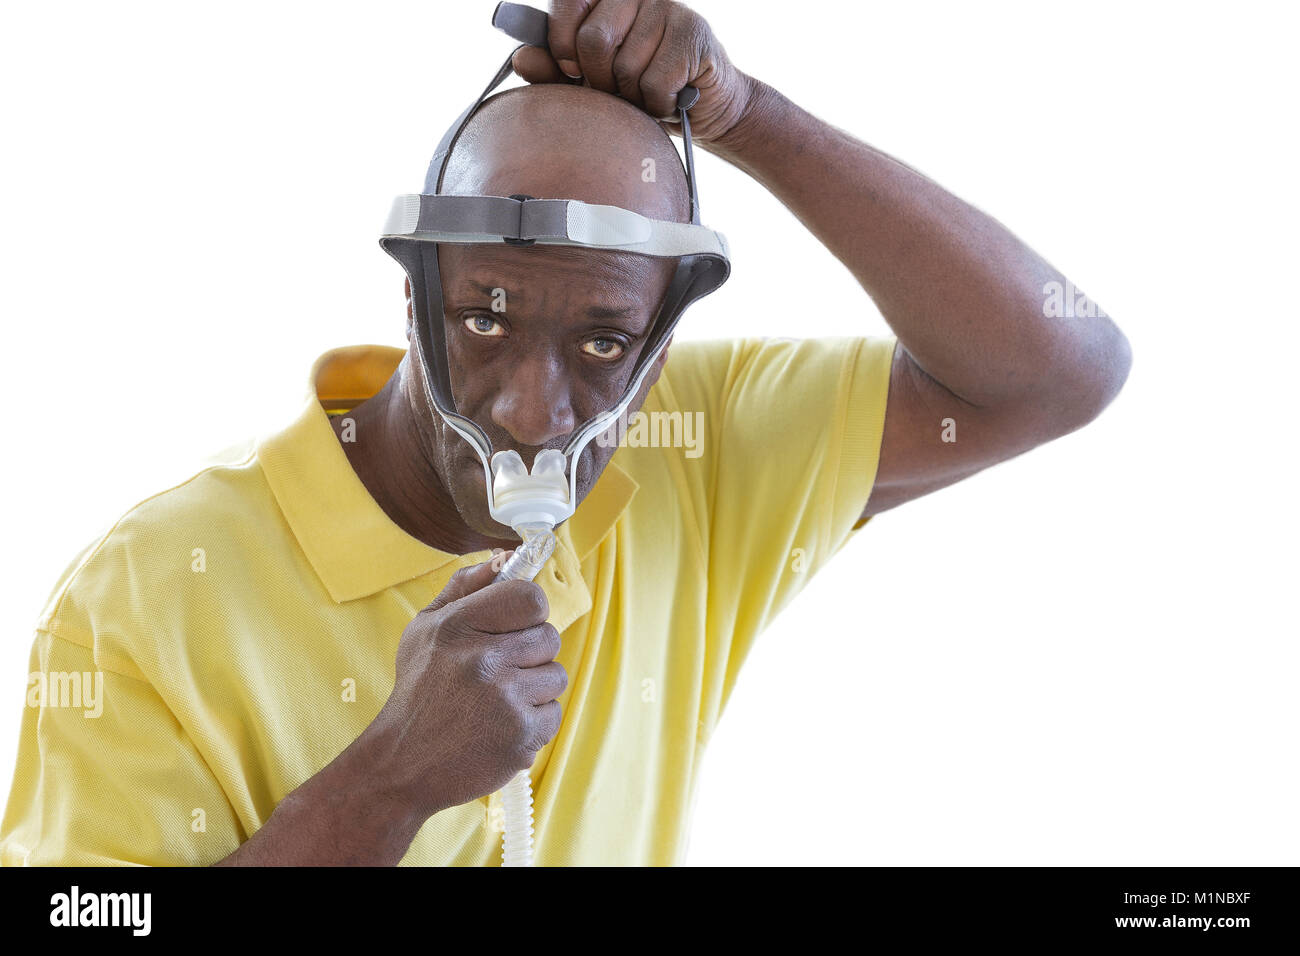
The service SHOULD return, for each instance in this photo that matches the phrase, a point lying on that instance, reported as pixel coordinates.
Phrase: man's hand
(473, 702)
(475, 695)
(645, 51)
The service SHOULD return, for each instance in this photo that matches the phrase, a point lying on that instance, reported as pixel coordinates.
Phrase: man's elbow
(1113, 367)
(1091, 382)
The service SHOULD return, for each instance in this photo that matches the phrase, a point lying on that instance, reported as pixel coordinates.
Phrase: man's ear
(663, 356)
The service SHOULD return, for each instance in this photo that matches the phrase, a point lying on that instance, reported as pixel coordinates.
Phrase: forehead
(548, 271)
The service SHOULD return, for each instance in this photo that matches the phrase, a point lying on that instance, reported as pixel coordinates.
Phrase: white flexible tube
(517, 842)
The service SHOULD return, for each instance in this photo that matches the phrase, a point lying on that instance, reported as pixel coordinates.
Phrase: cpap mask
(547, 495)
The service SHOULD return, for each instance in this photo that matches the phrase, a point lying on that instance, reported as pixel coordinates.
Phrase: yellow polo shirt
(245, 622)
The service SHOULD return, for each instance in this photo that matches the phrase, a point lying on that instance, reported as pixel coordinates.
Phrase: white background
(1084, 656)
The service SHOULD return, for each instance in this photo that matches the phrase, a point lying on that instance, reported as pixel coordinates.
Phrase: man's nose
(535, 405)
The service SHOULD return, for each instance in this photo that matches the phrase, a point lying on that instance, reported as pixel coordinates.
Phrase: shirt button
(558, 574)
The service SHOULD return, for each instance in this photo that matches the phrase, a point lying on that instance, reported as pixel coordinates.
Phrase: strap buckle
(522, 197)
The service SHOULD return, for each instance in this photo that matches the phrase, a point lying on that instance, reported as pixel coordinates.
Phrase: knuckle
(449, 614)
(537, 604)
(454, 583)
(684, 17)
(658, 70)
(427, 641)
(654, 83)
(687, 31)
(448, 626)
(435, 608)
(623, 71)
(594, 39)
(538, 732)
(418, 628)
(482, 668)
(625, 68)
(553, 644)
(554, 714)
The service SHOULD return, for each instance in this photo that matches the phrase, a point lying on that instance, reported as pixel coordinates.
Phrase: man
(303, 659)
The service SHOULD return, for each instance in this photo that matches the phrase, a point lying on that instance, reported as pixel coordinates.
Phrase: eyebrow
(593, 312)
(605, 312)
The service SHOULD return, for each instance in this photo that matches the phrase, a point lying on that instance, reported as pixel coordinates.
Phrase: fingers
(535, 65)
(565, 18)
(546, 726)
(663, 78)
(503, 608)
(640, 50)
(538, 685)
(637, 51)
(464, 582)
(598, 40)
(533, 647)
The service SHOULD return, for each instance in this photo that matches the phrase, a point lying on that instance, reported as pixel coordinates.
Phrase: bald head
(560, 141)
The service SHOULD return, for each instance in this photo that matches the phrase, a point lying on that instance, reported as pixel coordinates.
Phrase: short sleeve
(105, 775)
(794, 428)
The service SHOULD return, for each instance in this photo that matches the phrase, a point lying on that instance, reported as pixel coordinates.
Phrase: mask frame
(417, 223)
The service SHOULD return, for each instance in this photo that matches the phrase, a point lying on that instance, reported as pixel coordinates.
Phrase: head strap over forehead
(417, 223)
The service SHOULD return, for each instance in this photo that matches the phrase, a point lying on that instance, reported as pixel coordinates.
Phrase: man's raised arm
(994, 343)
(992, 337)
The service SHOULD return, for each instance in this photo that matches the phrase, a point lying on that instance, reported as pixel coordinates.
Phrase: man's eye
(603, 348)
(485, 325)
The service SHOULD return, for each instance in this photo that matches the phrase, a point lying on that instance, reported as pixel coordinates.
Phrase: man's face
(540, 339)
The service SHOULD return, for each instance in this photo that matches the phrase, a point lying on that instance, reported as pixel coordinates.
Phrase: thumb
(535, 65)
(467, 580)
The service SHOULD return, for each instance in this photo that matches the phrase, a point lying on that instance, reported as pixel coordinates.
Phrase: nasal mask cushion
(418, 223)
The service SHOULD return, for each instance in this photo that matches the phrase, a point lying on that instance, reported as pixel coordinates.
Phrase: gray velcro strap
(476, 215)
(449, 218)
(493, 217)
(543, 218)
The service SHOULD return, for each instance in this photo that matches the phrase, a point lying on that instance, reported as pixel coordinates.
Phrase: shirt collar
(354, 547)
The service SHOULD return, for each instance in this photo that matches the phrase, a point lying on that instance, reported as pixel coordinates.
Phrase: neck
(394, 456)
